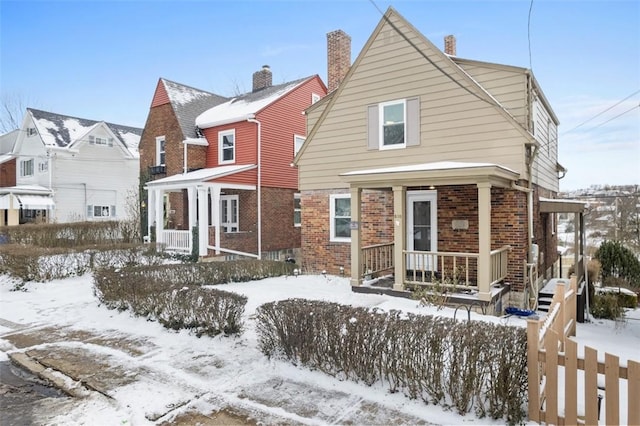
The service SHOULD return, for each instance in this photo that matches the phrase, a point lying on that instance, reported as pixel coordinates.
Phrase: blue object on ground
(510, 310)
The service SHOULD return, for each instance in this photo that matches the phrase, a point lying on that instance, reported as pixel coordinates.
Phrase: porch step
(544, 301)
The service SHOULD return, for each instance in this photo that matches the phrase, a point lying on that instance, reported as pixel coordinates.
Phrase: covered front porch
(444, 234)
(25, 204)
(210, 210)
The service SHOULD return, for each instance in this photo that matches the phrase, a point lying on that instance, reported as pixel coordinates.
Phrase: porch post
(159, 211)
(484, 240)
(577, 241)
(203, 221)
(399, 235)
(191, 200)
(215, 212)
(151, 210)
(356, 237)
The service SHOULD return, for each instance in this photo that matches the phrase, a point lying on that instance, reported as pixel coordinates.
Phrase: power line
(619, 115)
(602, 112)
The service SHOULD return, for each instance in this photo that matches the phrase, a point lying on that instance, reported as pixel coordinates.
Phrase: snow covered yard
(208, 374)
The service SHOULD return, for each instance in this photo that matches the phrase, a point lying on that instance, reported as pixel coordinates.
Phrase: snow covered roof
(57, 130)
(188, 102)
(8, 140)
(246, 106)
(425, 167)
(5, 157)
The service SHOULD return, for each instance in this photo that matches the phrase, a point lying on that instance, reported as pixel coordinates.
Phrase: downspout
(259, 189)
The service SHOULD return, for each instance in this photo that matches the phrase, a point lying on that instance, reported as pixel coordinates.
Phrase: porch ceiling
(555, 205)
(439, 173)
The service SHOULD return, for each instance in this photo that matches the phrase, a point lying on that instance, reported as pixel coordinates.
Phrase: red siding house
(236, 185)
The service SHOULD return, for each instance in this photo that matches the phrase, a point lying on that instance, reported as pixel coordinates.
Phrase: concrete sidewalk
(83, 364)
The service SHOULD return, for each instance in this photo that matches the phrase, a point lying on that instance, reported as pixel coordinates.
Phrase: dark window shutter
(413, 122)
(373, 131)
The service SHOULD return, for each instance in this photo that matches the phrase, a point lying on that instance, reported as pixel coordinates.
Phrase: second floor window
(160, 151)
(392, 124)
(26, 168)
(227, 146)
(297, 143)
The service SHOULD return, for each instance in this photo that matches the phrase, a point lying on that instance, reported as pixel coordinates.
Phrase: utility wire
(602, 112)
(613, 118)
(424, 55)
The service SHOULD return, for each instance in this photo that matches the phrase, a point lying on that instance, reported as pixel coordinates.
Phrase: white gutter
(259, 189)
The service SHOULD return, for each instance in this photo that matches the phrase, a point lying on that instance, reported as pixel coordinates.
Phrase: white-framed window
(298, 141)
(340, 217)
(227, 146)
(297, 210)
(314, 98)
(43, 166)
(392, 124)
(229, 205)
(160, 151)
(26, 168)
(100, 211)
(31, 131)
(97, 140)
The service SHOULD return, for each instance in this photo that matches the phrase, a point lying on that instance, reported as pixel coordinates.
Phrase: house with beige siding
(431, 170)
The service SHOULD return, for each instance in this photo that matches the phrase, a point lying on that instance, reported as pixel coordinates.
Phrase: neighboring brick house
(432, 168)
(236, 183)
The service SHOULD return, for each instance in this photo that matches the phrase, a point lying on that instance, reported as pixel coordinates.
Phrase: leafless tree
(12, 109)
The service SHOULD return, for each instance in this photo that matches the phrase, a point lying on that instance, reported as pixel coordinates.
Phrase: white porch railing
(177, 240)
(448, 269)
(377, 258)
(499, 264)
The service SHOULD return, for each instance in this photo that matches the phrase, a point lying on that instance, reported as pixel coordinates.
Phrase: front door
(422, 229)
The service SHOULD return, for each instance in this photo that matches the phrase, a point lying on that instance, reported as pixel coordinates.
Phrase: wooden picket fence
(550, 347)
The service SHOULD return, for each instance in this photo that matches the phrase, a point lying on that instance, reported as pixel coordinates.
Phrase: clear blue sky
(101, 60)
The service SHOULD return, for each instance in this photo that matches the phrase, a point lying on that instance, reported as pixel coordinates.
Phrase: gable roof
(458, 75)
(246, 106)
(187, 103)
(8, 141)
(57, 130)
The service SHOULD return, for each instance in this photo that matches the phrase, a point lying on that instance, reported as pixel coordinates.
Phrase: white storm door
(422, 229)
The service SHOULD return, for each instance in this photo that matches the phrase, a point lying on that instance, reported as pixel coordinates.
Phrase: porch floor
(469, 300)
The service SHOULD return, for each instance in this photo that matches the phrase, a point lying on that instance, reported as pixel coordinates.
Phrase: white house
(71, 169)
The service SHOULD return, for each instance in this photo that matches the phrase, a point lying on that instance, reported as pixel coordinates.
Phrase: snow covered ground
(219, 372)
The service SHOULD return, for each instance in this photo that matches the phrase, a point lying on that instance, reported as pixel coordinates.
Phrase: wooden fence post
(551, 340)
(612, 388)
(633, 394)
(571, 383)
(533, 370)
(590, 386)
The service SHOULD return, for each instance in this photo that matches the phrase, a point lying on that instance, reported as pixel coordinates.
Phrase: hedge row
(463, 366)
(205, 311)
(45, 264)
(196, 274)
(55, 235)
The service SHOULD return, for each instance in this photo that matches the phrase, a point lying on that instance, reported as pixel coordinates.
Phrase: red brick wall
(278, 230)
(8, 173)
(544, 234)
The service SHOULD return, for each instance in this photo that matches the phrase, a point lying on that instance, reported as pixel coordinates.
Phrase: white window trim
(297, 196)
(226, 225)
(381, 124)
(332, 209)
(221, 135)
(23, 168)
(91, 211)
(160, 151)
(296, 148)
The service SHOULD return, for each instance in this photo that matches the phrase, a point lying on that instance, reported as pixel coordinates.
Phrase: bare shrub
(465, 366)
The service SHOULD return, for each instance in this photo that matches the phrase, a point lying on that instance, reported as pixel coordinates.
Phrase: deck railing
(176, 240)
(377, 258)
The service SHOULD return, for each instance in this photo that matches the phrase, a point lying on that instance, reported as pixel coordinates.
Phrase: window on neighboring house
(100, 211)
(26, 168)
(297, 143)
(227, 146)
(43, 166)
(297, 210)
(314, 98)
(229, 213)
(96, 140)
(160, 151)
(31, 131)
(393, 124)
(340, 216)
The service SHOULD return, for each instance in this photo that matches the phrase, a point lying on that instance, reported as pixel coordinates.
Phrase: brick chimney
(262, 79)
(338, 58)
(450, 45)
